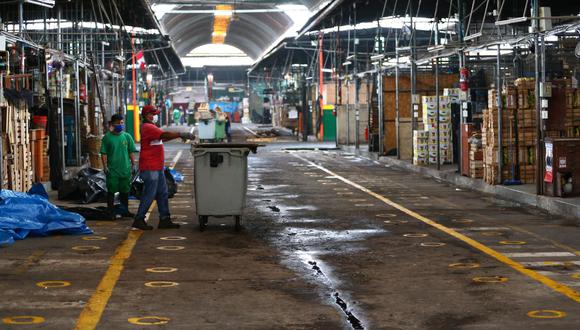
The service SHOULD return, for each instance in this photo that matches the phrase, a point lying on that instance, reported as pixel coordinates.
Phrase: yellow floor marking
(415, 235)
(547, 314)
(53, 284)
(23, 320)
(161, 270)
(490, 279)
(31, 260)
(554, 285)
(512, 243)
(149, 320)
(161, 284)
(86, 248)
(91, 314)
(560, 245)
(170, 248)
(432, 244)
(460, 265)
(94, 238)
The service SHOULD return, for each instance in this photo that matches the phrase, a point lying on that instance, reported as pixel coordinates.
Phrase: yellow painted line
(91, 314)
(554, 285)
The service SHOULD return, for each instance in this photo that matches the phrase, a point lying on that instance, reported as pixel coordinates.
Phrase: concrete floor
(331, 241)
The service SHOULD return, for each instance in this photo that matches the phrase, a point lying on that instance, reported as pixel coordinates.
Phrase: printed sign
(549, 177)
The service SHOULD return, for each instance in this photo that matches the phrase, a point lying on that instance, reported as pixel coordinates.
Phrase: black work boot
(140, 223)
(111, 206)
(166, 223)
(124, 198)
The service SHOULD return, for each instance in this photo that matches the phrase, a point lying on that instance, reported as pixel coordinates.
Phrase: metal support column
(438, 128)
(380, 94)
(414, 104)
(356, 87)
(77, 115)
(499, 118)
(539, 131)
(397, 111)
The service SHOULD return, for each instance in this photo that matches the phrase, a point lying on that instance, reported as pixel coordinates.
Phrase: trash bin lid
(252, 146)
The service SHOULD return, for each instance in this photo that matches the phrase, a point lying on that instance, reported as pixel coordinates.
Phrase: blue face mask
(118, 128)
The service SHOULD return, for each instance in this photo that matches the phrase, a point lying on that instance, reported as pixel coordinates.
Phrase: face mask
(118, 128)
(155, 118)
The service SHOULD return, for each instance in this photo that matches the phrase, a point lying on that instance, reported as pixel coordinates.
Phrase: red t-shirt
(152, 156)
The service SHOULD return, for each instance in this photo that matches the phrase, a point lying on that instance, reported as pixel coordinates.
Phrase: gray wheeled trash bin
(220, 180)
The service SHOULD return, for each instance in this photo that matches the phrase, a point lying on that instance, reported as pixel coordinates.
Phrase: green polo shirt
(117, 148)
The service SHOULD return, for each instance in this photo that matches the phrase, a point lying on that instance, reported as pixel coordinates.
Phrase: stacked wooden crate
(17, 168)
(489, 139)
(525, 118)
(476, 161)
(518, 150)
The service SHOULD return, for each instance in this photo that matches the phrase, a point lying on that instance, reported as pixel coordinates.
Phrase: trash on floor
(26, 215)
(89, 186)
(171, 178)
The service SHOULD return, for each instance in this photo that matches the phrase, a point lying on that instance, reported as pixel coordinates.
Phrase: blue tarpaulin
(23, 215)
(177, 176)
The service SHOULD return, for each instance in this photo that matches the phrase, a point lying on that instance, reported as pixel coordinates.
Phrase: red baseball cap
(149, 109)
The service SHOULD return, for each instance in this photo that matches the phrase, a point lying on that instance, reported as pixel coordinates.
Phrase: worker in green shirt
(176, 116)
(117, 154)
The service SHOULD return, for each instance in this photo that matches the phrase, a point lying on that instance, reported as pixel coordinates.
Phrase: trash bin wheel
(202, 222)
(238, 222)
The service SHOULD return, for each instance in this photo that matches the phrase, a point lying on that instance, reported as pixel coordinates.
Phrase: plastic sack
(177, 176)
(171, 184)
(89, 186)
(137, 184)
(32, 215)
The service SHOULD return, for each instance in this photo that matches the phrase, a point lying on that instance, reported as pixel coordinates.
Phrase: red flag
(140, 58)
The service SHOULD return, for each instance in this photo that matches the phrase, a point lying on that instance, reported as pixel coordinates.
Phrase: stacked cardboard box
(420, 147)
(430, 123)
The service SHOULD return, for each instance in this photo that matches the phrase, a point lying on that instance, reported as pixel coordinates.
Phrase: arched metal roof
(252, 33)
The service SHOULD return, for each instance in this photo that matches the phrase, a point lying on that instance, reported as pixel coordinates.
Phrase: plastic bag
(171, 184)
(32, 215)
(89, 186)
(177, 176)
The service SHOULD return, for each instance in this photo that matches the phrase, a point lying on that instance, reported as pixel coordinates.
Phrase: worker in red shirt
(151, 165)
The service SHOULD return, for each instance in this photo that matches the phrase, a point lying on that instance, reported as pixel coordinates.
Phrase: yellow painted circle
(395, 222)
(173, 238)
(575, 276)
(463, 220)
(432, 244)
(85, 248)
(341, 189)
(386, 215)
(323, 180)
(149, 320)
(364, 205)
(23, 320)
(461, 265)
(94, 238)
(357, 200)
(490, 279)
(512, 242)
(170, 248)
(161, 270)
(53, 284)
(161, 284)
(329, 183)
(546, 314)
(344, 193)
(491, 233)
(416, 235)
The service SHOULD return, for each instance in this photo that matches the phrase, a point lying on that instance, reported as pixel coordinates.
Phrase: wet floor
(330, 241)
